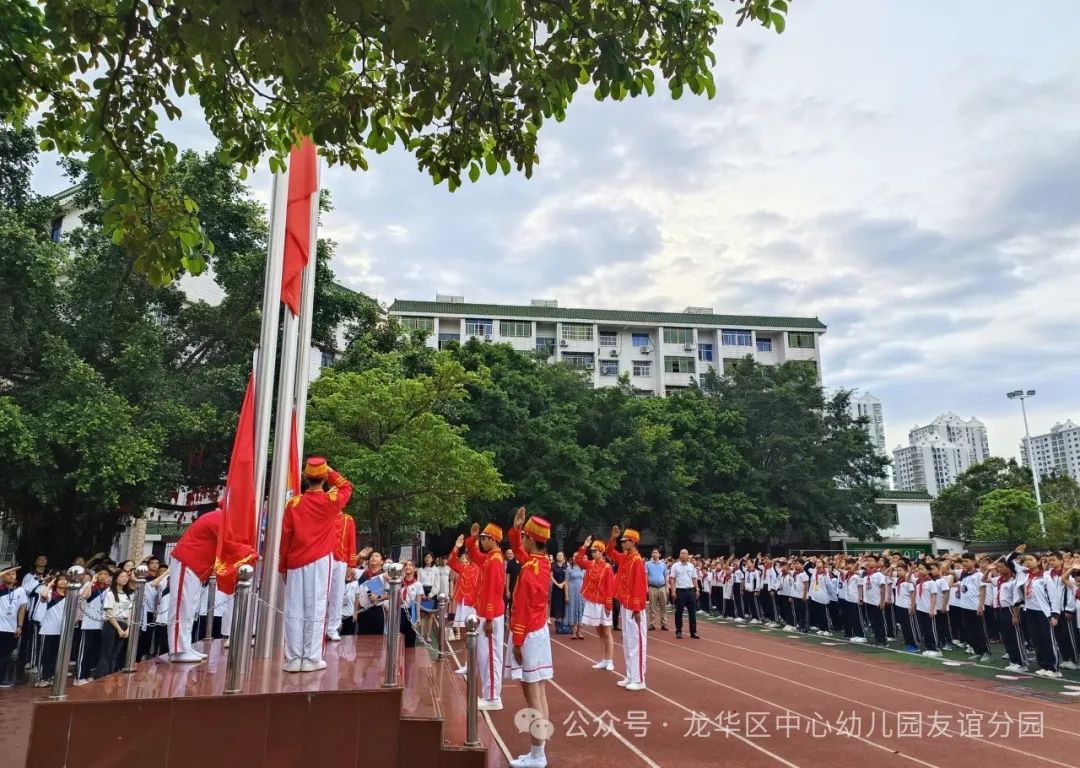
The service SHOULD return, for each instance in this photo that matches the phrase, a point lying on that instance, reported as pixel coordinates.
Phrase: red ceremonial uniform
(468, 578)
(197, 548)
(532, 592)
(345, 551)
(491, 583)
(311, 528)
(632, 588)
(599, 583)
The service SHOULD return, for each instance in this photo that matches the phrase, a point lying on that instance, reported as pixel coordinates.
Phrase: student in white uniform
(941, 617)
(1005, 600)
(972, 607)
(51, 595)
(905, 608)
(350, 602)
(31, 583)
(818, 603)
(92, 597)
(114, 629)
(12, 620)
(926, 606)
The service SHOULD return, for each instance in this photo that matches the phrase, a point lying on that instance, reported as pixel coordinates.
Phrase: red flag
(294, 463)
(237, 543)
(303, 183)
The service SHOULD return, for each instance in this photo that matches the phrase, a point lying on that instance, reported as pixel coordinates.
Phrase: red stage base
(177, 715)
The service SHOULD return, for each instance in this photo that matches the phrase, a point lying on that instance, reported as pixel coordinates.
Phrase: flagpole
(307, 313)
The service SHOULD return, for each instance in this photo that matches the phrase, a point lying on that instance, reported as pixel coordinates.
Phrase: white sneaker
(1068, 665)
(739, 620)
(293, 665)
(1015, 668)
(636, 687)
(932, 654)
(986, 657)
(225, 643)
(200, 654)
(333, 637)
(186, 657)
(309, 665)
(754, 621)
(623, 683)
(859, 640)
(789, 628)
(461, 671)
(601, 664)
(489, 705)
(528, 761)
(1044, 673)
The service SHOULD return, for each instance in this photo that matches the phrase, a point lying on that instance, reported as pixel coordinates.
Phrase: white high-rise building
(938, 452)
(1055, 453)
(869, 407)
(662, 352)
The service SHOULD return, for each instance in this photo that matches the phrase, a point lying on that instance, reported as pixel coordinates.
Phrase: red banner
(303, 183)
(237, 543)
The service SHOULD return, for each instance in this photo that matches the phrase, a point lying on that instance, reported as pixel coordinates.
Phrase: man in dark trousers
(684, 585)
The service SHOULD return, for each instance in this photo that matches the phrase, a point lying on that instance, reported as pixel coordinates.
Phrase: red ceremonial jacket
(633, 586)
(197, 548)
(345, 551)
(599, 583)
(491, 584)
(312, 528)
(532, 592)
(468, 578)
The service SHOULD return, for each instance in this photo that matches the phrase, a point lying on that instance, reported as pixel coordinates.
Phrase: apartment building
(661, 352)
(938, 452)
(1055, 453)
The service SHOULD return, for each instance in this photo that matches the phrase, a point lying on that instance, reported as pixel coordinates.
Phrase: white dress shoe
(186, 657)
(293, 665)
(309, 665)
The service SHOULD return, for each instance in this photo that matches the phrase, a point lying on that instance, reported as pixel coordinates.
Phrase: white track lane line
(773, 704)
(738, 736)
(1073, 734)
(487, 717)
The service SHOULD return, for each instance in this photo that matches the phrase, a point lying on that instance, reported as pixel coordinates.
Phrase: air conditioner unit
(487, 337)
(564, 343)
(614, 353)
(688, 346)
(589, 366)
(645, 350)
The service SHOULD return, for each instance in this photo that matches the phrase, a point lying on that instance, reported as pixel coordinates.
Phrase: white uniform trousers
(184, 591)
(307, 590)
(489, 658)
(635, 635)
(226, 602)
(337, 594)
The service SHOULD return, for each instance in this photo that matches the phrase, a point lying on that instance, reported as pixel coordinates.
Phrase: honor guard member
(484, 550)
(598, 592)
(192, 560)
(310, 532)
(530, 654)
(632, 593)
(344, 559)
(468, 576)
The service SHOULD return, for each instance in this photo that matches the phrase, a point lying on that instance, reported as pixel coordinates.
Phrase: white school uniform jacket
(904, 591)
(738, 576)
(852, 585)
(1005, 594)
(819, 586)
(872, 588)
(944, 589)
(52, 621)
(11, 600)
(773, 578)
(348, 598)
(926, 595)
(1043, 592)
(164, 597)
(802, 581)
(753, 581)
(971, 585)
(93, 602)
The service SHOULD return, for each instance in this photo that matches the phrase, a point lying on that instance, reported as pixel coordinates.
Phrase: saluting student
(874, 600)
(530, 642)
(51, 595)
(598, 592)
(971, 608)
(92, 596)
(1006, 601)
(468, 575)
(485, 550)
(1063, 635)
(905, 602)
(926, 606)
(632, 594)
(12, 619)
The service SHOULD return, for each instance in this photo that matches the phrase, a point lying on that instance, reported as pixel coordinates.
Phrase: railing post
(135, 624)
(472, 635)
(211, 607)
(394, 572)
(67, 631)
(443, 602)
(240, 631)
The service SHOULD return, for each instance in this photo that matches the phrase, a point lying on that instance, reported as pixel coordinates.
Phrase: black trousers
(941, 621)
(928, 630)
(89, 651)
(50, 647)
(716, 602)
(737, 598)
(876, 619)
(9, 657)
(112, 645)
(684, 598)
(819, 615)
(957, 625)
(706, 594)
(972, 627)
(146, 639)
(1042, 637)
(907, 627)
(348, 626)
(1065, 633)
(1010, 635)
(852, 620)
(802, 612)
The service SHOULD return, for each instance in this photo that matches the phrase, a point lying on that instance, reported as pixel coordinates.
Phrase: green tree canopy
(464, 85)
(1006, 514)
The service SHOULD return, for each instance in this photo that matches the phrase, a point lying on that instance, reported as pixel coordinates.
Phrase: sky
(907, 172)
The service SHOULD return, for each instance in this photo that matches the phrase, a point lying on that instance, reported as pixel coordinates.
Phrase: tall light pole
(1022, 395)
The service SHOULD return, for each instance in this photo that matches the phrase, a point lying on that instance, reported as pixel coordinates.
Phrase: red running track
(742, 698)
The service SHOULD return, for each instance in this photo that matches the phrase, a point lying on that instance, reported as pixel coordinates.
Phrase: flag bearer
(485, 550)
(598, 591)
(632, 593)
(192, 560)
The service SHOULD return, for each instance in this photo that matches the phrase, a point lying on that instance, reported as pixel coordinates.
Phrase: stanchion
(472, 692)
(67, 631)
(443, 602)
(136, 620)
(394, 572)
(240, 631)
(211, 607)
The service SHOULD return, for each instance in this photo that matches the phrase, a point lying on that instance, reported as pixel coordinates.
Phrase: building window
(515, 329)
(892, 515)
(733, 338)
(57, 229)
(609, 338)
(704, 353)
(800, 340)
(582, 361)
(729, 365)
(419, 323)
(609, 367)
(545, 344)
(643, 367)
(446, 338)
(679, 364)
(326, 358)
(639, 339)
(764, 344)
(678, 335)
(577, 331)
(809, 364)
(481, 328)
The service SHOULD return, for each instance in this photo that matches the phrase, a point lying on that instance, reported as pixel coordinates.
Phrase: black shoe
(663, 628)
(695, 637)
(678, 635)
(652, 629)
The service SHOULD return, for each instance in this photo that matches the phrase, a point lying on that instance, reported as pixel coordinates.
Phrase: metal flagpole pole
(264, 391)
(307, 313)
